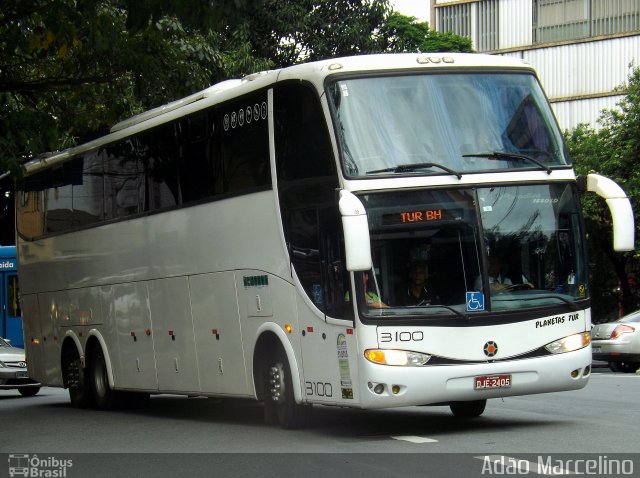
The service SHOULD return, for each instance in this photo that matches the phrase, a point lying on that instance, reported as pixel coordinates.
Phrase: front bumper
(444, 384)
(12, 378)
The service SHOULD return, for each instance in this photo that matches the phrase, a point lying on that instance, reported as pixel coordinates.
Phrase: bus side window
(244, 144)
(88, 196)
(124, 180)
(196, 159)
(59, 196)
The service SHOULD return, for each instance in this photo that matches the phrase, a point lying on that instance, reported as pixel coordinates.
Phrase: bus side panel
(32, 344)
(51, 335)
(221, 358)
(126, 307)
(321, 381)
(173, 335)
(266, 298)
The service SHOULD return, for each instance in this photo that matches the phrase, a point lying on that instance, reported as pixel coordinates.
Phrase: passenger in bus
(498, 280)
(419, 292)
(372, 299)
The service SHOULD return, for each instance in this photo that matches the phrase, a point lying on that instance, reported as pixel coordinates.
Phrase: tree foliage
(613, 151)
(405, 34)
(71, 68)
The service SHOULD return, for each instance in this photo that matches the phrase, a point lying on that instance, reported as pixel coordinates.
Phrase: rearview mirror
(619, 205)
(356, 232)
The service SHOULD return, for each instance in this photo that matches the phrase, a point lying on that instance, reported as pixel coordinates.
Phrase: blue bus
(10, 313)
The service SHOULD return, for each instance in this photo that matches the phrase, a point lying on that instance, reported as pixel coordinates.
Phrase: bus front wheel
(471, 409)
(280, 405)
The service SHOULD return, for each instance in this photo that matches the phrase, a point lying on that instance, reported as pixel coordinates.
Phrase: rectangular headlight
(570, 343)
(402, 358)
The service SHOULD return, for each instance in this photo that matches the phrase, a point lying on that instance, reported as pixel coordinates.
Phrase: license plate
(595, 350)
(22, 375)
(492, 381)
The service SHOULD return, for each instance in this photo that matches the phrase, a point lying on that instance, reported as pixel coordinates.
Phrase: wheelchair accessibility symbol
(475, 301)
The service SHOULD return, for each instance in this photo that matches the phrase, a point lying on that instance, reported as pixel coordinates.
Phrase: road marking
(508, 464)
(415, 439)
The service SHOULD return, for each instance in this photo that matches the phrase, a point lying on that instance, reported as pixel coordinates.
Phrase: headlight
(570, 343)
(396, 357)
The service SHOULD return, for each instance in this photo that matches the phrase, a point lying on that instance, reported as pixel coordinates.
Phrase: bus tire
(280, 405)
(471, 409)
(105, 397)
(79, 393)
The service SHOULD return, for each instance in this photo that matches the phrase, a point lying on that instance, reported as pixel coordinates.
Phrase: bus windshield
(444, 123)
(465, 251)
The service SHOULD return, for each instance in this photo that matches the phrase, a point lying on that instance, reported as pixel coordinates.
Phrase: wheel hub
(276, 383)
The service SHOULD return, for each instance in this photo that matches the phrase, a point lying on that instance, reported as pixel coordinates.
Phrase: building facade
(582, 49)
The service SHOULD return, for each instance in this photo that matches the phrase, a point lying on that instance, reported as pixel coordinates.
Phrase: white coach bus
(374, 231)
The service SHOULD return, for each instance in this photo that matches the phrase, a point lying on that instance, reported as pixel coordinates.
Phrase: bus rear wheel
(471, 409)
(76, 380)
(105, 397)
(280, 406)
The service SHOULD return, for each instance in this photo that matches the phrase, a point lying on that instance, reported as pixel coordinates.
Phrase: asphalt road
(180, 436)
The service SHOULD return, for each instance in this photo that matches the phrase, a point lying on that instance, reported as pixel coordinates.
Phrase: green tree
(401, 33)
(614, 152)
(71, 68)
(293, 31)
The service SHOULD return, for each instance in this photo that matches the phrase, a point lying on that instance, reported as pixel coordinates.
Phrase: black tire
(471, 409)
(79, 392)
(29, 391)
(105, 397)
(280, 406)
(624, 367)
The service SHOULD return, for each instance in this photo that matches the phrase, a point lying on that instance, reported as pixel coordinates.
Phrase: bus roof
(315, 72)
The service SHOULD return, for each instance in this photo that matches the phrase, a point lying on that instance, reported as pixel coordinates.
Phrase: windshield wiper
(497, 155)
(408, 168)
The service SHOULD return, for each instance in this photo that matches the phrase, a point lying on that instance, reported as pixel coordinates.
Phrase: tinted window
(88, 196)
(245, 144)
(160, 164)
(306, 186)
(223, 150)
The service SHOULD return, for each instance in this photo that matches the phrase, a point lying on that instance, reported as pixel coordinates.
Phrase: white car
(618, 343)
(13, 371)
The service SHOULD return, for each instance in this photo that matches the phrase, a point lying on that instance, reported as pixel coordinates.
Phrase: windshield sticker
(475, 301)
(343, 364)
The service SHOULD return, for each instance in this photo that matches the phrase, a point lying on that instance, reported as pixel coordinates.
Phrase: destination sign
(419, 216)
